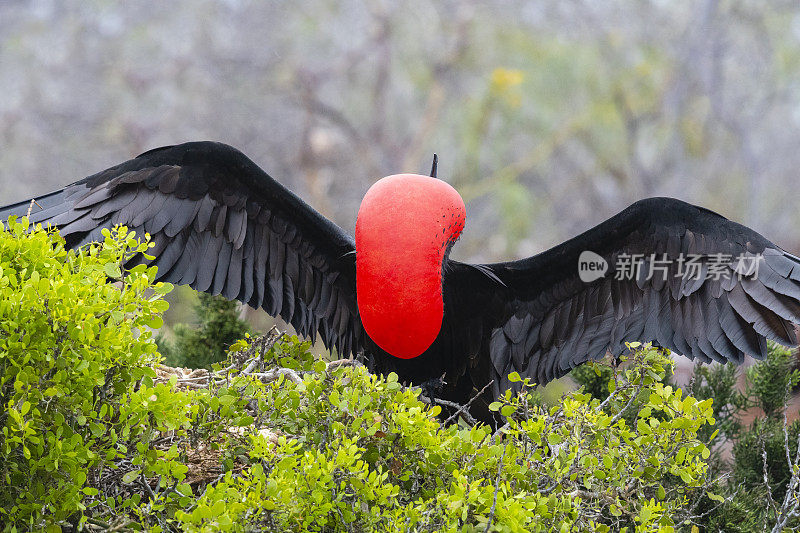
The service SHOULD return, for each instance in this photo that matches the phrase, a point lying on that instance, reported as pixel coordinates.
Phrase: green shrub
(768, 388)
(769, 382)
(746, 454)
(349, 451)
(218, 327)
(74, 338)
(594, 379)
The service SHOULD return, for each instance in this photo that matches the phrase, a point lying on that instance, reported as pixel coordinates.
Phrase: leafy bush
(743, 455)
(74, 339)
(347, 450)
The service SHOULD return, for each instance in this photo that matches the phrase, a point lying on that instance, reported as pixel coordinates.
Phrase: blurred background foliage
(548, 116)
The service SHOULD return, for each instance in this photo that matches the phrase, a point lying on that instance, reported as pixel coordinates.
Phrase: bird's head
(406, 226)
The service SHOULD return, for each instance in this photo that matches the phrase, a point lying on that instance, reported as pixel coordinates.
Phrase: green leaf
(131, 476)
(554, 438)
(507, 410)
(656, 400)
(112, 270)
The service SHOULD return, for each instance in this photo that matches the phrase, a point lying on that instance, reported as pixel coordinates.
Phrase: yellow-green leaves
(643, 436)
(365, 454)
(71, 342)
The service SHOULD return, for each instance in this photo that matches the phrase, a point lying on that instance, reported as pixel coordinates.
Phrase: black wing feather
(542, 320)
(222, 225)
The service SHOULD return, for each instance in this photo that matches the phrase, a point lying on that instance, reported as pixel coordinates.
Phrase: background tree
(200, 346)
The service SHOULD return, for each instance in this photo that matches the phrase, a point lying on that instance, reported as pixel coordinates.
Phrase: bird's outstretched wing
(221, 225)
(681, 276)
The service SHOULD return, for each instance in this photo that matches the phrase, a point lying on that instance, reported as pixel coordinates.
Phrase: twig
(766, 477)
(146, 485)
(468, 417)
(153, 499)
(786, 424)
(340, 363)
(121, 526)
(189, 379)
(252, 365)
(791, 500)
(30, 207)
(496, 488)
(272, 375)
(607, 400)
(693, 517)
(630, 401)
(464, 407)
(499, 431)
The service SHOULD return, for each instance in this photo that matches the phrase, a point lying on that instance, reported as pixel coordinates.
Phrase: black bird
(662, 270)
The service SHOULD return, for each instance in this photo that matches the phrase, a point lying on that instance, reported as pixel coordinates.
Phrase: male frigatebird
(222, 225)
